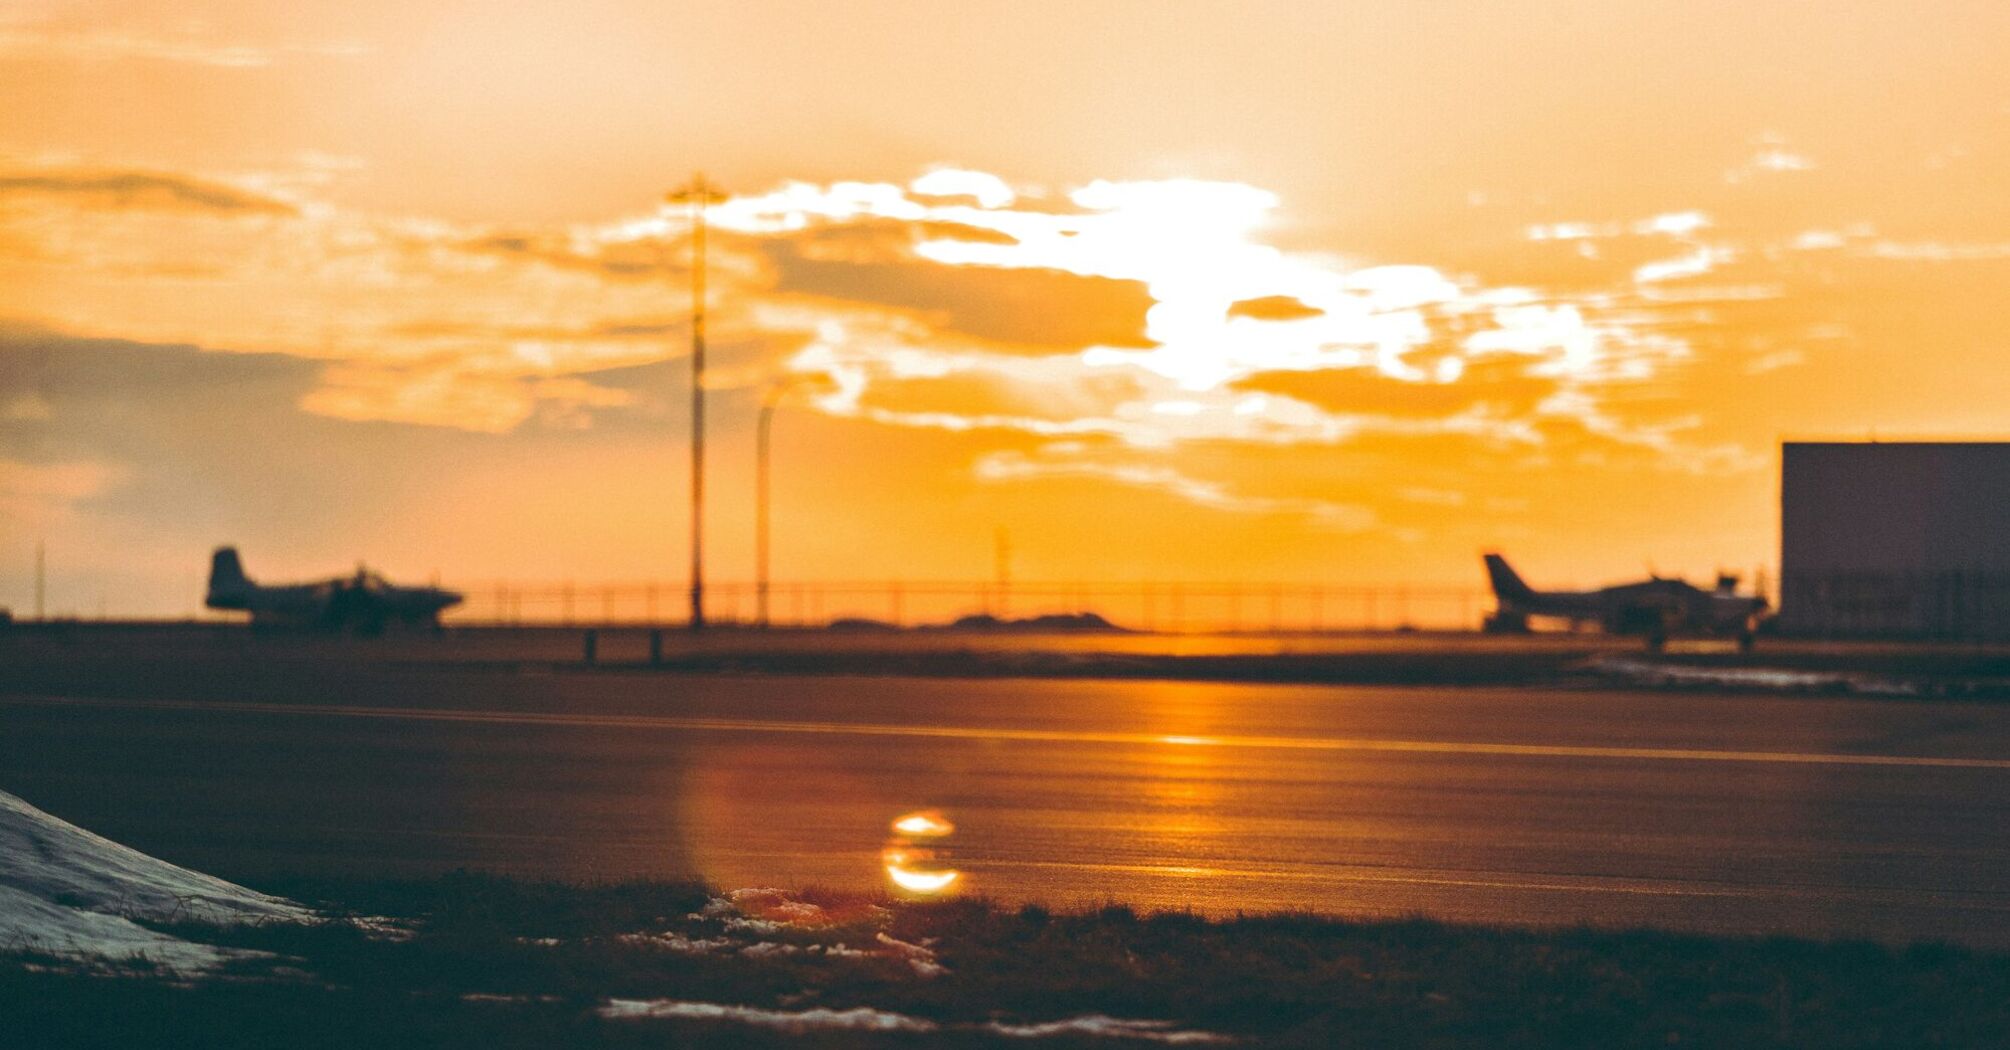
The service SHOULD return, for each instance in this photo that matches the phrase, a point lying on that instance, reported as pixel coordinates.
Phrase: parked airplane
(1655, 607)
(365, 602)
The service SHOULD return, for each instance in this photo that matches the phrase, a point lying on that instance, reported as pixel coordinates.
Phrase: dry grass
(1272, 980)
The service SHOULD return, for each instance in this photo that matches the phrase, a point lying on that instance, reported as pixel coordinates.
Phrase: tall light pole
(763, 428)
(699, 194)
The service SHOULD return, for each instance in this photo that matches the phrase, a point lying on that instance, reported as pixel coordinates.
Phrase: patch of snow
(672, 941)
(918, 957)
(379, 927)
(859, 1018)
(1109, 1027)
(763, 949)
(865, 1018)
(776, 906)
(56, 860)
(1772, 678)
(31, 923)
(766, 910)
(762, 927)
(65, 891)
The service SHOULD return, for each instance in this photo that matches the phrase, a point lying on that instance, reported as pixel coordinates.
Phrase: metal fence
(1173, 606)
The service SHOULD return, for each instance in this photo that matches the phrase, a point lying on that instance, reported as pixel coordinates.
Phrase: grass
(1281, 980)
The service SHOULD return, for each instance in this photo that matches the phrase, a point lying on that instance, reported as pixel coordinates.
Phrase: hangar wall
(1896, 540)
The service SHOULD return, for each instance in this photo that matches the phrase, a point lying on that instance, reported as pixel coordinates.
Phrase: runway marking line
(981, 733)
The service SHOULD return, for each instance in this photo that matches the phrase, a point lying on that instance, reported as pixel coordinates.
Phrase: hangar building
(1895, 540)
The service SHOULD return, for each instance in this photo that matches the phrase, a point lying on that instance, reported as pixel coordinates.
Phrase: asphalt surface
(1823, 816)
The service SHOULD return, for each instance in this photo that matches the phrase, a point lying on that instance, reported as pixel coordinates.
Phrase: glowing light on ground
(914, 868)
(927, 823)
(921, 881)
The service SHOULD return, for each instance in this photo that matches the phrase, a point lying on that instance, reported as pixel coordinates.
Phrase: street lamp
(699, 194)
(763, 428)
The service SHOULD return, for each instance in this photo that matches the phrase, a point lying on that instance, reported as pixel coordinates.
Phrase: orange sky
(1248, 291)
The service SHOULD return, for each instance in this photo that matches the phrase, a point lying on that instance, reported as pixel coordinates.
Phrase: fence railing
(1162, 606)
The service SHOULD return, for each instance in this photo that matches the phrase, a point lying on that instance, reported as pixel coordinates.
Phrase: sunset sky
(1338, 292)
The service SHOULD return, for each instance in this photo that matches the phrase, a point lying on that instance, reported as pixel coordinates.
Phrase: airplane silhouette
(364, 602)
(1656, 607)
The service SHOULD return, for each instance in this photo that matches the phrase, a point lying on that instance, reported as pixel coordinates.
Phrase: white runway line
(1060, 736)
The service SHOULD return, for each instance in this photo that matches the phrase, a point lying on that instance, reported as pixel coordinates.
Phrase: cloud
(442, 394)
(1938, 252)
(983, 188)
(1432, 497)
(142, 190)
(1775, 361)
(189, 46)
(1772, 157)
(1695, 264)
(1041, 310)
(1154, 313)
(956, 231)
(1012, 465)
(37, 496)
(1272, 308)
(26, 407)
(468, 321)
(1000, 395)
(569, 250)
(1500, 388)
(642, 328)
(78, 378)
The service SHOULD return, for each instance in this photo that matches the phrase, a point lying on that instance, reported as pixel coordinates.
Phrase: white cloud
(1695, 264)
(485, 327)
(989, 190)
(188, 46)
(1939, 252)
(1003, 466)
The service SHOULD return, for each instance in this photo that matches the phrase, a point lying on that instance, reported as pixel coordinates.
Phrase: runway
(1822, 816)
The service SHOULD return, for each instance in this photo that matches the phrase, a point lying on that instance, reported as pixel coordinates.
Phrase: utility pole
(41, 580)
(1003, 567)
(763, 444)
(699, 194)
(761, 429)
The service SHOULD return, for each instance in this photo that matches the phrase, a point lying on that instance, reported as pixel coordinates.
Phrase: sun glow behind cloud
(1196, 248)
(956, 303)
(1104, 337)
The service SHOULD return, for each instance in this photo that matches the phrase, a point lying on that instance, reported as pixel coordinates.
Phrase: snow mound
(1110, 1028)
(865, 1018)
(767, 910)
(29, 923)
(920, 957)
(862, 1018)
(67, 892)
(1772, 679)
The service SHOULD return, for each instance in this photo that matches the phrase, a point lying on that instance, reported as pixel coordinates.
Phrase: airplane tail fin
(226, 572)
(1507, 585)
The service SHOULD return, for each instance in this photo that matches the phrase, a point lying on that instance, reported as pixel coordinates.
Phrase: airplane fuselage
(365, 601)
(1655, 608)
